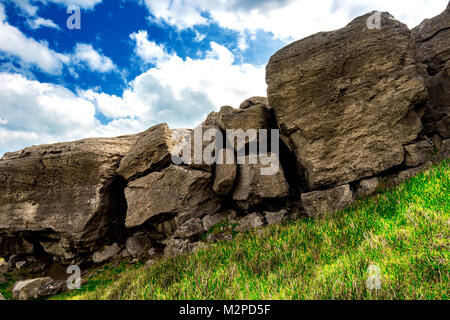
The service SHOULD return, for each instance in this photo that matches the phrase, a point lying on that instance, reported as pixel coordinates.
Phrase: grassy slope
(404, 231)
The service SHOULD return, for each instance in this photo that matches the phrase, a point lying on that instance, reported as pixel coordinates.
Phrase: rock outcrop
(65, 198)
(347, 100)
(432, 40)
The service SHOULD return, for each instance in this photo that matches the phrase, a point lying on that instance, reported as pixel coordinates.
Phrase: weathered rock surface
(253, 187)
(67, 195)
(224, 175)
(255, 101)
(190, 229)
(367, 187)
(432, 39)
(30, 289)
(175, 191)
(138, 244)
(176, 247)
(106, 253)
(151, 152)
(275, 217)
(251, 221)
(346, 99)
(211, 220)
(254, 117)
(417, 153)
(321, 203)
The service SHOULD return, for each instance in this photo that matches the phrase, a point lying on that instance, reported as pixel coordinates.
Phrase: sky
(132, 64)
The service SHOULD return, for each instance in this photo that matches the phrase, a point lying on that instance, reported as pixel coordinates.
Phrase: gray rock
(176, 247)
(445, 149)
(417, 153)
(254, 101)
(106, 253)
(225, 175)
(53, 288)
(251, 221)
(322, 203)
(66, 193)
(190, 229)
(275, 217)
(138, 244)
(211, 220)
(367, 187)
(174, 191)
(151, 152)
(254, 117)
(30, 289)
(409, 173)
(346, 99)
(125, 253)
(20, 264)
(252, 187)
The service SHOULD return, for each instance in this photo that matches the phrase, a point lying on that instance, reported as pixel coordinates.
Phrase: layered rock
(347, 100)
(174, 191)
(254, 185)
(432, 39)
(322, 203)
(64, 197)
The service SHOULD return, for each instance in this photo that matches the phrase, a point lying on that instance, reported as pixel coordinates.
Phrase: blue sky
(135, 63)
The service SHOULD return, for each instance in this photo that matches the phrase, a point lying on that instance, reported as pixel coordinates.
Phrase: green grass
(404, 231)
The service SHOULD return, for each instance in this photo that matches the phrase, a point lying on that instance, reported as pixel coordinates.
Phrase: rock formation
(352, 105)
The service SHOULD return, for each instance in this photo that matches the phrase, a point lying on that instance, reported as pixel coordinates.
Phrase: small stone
(275, 217)
(367, 187)
(417, 153)
(125, 253)
(3, 279)
(20, 264)
(138, 244)
(149, 263)
(106, 253)
(251, 221)
(176, 247)
(321, 203)
(151, 252)
(211, 220)
(191, 228)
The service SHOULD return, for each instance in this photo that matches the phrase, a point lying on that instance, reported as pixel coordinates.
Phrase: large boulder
(347, 99)
(65, 196)
(175, 191)
(151, 152)
(253, 186)
(106, 253)
(30, 289)
(254, 101)
(432, 39)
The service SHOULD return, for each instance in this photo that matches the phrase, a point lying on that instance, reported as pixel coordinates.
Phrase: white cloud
(30, 6)
(286, 19)
(41, 22)
(34, 112)
(147, 50)
(13, 42)
(86, 55)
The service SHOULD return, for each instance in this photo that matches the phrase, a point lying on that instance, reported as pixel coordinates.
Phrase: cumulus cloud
(29, 51)
(32, 112)
(147, 50)
(85, 55)
(30, 6)
(182, 92)
(285, 18)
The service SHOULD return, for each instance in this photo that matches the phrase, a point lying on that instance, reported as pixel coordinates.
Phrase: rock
(2, 297)
(367, 187)
(138, 244)
(417, 153)
(322, 203)
(253, 187)
(30, 289)
(211, 220)
(106, 253)
(20, 264)
(174, 191)
(149, 263)
(275, 217)
(151, 252)
(125, 253)
(251, 221)
(432, 42)
(53, 288)
(254, 101)
(190, 229)
(445, 148)
(66, 195)
(406, 174)
(151, 152)
(3, 279)
(176, 247)
(225, 175)
(346, 99)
